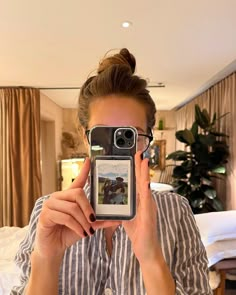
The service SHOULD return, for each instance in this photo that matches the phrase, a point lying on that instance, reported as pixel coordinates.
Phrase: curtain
(20, 172)
(220, 98)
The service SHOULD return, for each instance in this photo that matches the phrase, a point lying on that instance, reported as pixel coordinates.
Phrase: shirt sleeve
(22, 258)
(191, 265)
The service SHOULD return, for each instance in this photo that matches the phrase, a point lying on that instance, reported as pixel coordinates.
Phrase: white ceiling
(186, 44)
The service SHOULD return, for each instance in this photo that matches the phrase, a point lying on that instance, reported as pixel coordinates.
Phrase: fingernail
(92, 217)
(149, 186)
(91, 230)
(85, 233)
(141, 156)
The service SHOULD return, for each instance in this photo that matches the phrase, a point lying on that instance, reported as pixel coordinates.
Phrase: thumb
(81, 179)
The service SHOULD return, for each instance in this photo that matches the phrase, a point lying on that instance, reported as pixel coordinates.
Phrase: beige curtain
(20, 173)
(220, 98)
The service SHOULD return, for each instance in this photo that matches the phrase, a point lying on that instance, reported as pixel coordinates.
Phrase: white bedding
(221, 250)
(218, 234)
(10, 238)
(216, 226)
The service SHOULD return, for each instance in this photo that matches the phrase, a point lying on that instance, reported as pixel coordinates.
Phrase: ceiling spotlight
(126, 24)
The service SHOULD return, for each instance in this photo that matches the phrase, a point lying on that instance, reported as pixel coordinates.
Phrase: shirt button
(108, 291)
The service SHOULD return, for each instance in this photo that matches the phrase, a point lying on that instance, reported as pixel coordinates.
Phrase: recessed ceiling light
(126, 24)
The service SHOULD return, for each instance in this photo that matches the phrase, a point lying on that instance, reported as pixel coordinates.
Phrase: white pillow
(216, 226)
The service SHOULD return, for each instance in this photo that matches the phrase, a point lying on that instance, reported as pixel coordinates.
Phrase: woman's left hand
(142, 230)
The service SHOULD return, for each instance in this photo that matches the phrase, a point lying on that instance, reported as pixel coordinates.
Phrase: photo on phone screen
(113, 187)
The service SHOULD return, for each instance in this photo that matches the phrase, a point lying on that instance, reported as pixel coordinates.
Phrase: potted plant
(204, 159)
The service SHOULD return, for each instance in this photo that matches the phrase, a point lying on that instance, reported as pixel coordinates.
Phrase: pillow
(216, 226)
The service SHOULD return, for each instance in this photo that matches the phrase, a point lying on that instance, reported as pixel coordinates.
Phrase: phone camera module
(129, 134)
(129, 143)
(120, 142)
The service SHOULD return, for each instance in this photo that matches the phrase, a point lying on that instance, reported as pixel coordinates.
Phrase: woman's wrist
(44, 274)
(51, 262)
(153, 258)
(157, 276)
(150, 255)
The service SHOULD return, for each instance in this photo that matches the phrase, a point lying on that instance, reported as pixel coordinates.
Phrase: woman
(158, 252)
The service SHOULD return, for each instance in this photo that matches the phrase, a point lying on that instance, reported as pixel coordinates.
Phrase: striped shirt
(88, 269)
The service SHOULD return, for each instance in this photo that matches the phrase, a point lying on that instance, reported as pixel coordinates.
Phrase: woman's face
(118, 111)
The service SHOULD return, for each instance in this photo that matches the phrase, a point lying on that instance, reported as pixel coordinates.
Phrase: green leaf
(206, 117)
(183, 189)
(218, 176)
(222, 116)
(217, 204)
(179, 172)
(213, 119)
(178, 156)
(218, 134)
(198, 203)
(201, 118)
(187, 165)
(208, 139)
(206, 181)
(194, 180)
(210, 193)
(220, 170)
(194, 129)
(185, 136)
(200, 151)
(197, 199)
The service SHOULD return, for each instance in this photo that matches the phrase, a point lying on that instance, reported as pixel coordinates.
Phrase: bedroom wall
(51, 130)
(52, 112)
(168, 133)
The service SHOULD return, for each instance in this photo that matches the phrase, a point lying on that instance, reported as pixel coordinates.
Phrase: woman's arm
(43, 269)
(157, 277)
(191, 264)
(142, 231)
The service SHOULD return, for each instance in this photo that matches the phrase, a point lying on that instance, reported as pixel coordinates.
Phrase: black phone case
(103, 150)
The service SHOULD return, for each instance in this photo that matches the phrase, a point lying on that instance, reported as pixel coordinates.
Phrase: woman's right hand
(66, 217)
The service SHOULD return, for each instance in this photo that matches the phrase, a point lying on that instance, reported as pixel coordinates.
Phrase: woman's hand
(66, 217)
(142, 230)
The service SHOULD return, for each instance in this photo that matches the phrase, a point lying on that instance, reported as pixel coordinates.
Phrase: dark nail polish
(149, 186)
(85, 233)
(92, 217)
(91, 230)
(141, 156)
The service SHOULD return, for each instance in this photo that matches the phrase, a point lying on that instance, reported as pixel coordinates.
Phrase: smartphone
(112, 174)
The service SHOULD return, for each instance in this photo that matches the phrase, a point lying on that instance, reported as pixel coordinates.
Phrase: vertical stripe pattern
(87, 268)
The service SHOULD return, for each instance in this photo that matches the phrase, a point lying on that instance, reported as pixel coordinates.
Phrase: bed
(218, 234)
(217, 229)
(10, 238)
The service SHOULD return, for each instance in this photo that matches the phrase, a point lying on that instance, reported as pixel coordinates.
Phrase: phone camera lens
(128, 134)
(120, 142)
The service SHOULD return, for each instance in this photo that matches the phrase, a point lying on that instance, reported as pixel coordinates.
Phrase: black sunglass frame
(150, 137)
